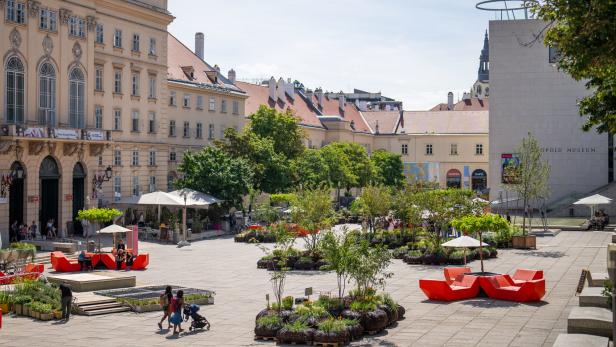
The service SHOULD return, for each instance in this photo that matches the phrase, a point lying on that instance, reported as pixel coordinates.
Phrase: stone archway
(454, 178)
(16, 194)
(79, 195)
(49, 175)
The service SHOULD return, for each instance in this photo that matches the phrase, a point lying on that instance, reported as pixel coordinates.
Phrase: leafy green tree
(388, 168)
(374, 202)
(367, 265)
(531, 174)
(338, 167)
(280, 127)
(479, 224)
(310, 170)
(406, 209)
(312, 210)
(214, 172)
(337, 250)
(360, 165)
(583, 32)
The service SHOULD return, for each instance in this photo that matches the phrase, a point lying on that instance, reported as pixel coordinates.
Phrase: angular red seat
(141, 262)
(451, 273)
(502, 287)
(63, 264)
(522, 276)
(464, 287)
(110, 261)
(53, 256)
(35, 267)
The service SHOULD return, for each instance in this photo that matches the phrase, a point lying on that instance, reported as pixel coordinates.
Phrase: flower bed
(441, 257)
(293, 260)
(327, 320)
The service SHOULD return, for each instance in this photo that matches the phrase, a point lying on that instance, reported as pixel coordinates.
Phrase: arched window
(47, 95)
(479, 180)
(454, 179)
(14, 91)
(77, 101)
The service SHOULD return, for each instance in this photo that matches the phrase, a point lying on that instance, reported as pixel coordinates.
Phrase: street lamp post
(98, 179)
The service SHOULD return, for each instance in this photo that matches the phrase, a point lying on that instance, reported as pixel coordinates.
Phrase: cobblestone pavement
(229, 269)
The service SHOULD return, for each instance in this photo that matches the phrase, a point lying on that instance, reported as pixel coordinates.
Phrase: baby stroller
(198, 321)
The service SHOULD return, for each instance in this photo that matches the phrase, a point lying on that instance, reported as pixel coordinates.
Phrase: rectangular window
(100, 34)
(100, 160)
(479, 149)
(76, 26)
(152, 184)
(152, 46)
(210, 132)
(223, 106)
(186, 132)
(553, 55)
(135, 80)
(172, 99)
(135, 185)
(172, 156)
(171, 128)
(117, 187)
(98, 117)
(135, 161)
(152, 122)
(236, 107)
(15, 12)
(117, 119)
(117, 157)
(49, 20)
(98, 78)
(152, 87)
(429, 149)
(453, 149)
(117, 81)
(212, 103)
(199, 130)
(135, 121)
(117, 38)
(186, 100)
(136, 43)
(152, 158)
(405, 149)
(200, 102)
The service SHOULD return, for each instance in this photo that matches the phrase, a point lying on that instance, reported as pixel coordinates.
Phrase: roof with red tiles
(387, 121)
(331, 107)
(184, 66)
(472, 104)
(444, 122)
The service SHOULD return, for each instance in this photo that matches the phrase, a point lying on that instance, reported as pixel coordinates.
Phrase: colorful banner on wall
(95, 135)
(509, 164)
(66, 134)
(422, 171)
(34, 132)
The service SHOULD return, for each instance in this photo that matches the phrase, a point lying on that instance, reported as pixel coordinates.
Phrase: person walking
(66, 300)
(165, 303)
(176, 317)
(33, 230)
(14, 232)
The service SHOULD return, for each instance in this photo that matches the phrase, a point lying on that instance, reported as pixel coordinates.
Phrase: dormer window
(189, 71)
(212, 75)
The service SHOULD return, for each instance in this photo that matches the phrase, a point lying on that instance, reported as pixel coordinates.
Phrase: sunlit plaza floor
(229, 269)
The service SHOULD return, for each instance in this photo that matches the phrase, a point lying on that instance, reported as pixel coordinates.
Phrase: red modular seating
(522, 276)
(38, 267)
(54, 256)
(502, 287)
(63, 264)
(109, 261)
(141, 262)
(452, 272)
(464, 287)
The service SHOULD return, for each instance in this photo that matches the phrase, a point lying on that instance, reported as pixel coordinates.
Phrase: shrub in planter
(287, 303)
(355, 329)
(311, 315)
(413, 257)
(351, 315)
(331, 331)
(456, 257)
(390, 307)
(401, 312)
(493, 252)
(304, 263)
(20, 301)
(268, 326)
(266, 312)
(428, 258)
(374, 320)
(321, 263)
(296, 332)
(264, 262)
(400, 252)
(334, 306)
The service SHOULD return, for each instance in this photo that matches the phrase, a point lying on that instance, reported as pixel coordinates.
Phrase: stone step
(590, 320)
(593, 297)
(107, 311)
(94, 307)
(95, 302)
(576, 340)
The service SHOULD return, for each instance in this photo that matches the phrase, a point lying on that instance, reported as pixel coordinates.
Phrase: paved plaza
(229, 269)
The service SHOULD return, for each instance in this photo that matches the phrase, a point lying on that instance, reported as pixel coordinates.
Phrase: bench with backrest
(463, 287)
(61, 263)
(522, 276)
(451, 273)
(502, 287)
(141, 261)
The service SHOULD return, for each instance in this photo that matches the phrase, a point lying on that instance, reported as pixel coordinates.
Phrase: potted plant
(57, 314)
(331, 331)
(20, 301)
(268, 326)
(354, 328)
(45, 312)
(297, 332)
(35, 308)
(26, 309)
(5, 301)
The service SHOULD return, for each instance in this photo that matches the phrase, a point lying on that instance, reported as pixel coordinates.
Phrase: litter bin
(91, 246)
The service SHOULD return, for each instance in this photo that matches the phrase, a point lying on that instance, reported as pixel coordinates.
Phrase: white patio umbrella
(593, 201)
(464, 242)
(193, 199)
(110, 229)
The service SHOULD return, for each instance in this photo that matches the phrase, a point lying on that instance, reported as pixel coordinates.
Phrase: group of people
(123, 256)
(172, 310)
(599, 221)
(23, 231)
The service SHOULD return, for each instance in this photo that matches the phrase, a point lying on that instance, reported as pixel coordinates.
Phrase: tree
(337, 166)
(374, 202)
(308, 170)
(312, 210)
(583, 32)
(367, 265)
(479, 224)
(280, 127)
(360, 165)
(99, 215)
(337, 250)
(530, 176)
(405, 208)
(388, 168)
(214, 172)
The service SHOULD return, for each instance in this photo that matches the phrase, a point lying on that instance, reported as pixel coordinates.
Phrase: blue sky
(415, 51)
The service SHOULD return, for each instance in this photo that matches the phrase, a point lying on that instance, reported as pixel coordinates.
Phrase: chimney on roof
(199, 38)
(377, 127)
(341, 101)
(280, 90)
(450, 101)
(319, 94)
(231, 76)
(272, 88)
(289, 89)
(217, 68)
(309, 95)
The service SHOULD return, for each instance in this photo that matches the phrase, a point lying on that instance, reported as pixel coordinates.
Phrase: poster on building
(66, 134)
(426, 172)
(95, 135)
(34, 132)
(509, 165)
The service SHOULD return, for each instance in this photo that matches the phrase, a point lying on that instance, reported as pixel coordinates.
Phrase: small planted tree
(474, 224)
(312, 210)
(337, 251)
(99, 215)
(374, 202)
(367, 266)
(530, 175)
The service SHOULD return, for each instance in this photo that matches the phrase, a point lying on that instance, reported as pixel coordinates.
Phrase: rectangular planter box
(525, 242)
(19, 309)
(146, 308)
(46, 316)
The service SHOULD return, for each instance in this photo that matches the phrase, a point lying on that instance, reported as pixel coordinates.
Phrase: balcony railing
(39, 132)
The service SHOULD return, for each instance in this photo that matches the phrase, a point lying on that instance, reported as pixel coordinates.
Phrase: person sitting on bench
(84, 261)
(120, 257)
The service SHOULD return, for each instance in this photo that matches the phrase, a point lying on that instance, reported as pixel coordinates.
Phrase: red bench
(522, 276)
(63, 264)
(463, 287)
(36, 267)
(502, 287)
(451, 273)
(141, 262)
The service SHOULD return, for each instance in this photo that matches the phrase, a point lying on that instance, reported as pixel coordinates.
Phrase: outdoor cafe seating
(60, 263)
(525, 286)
